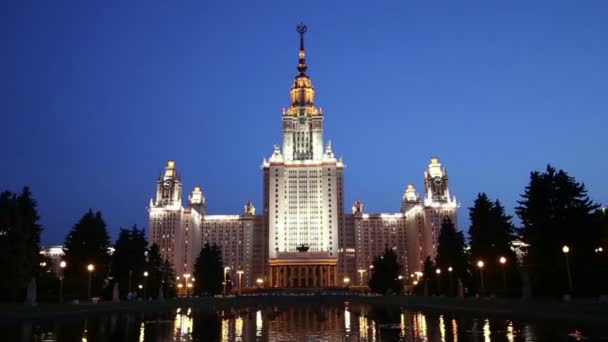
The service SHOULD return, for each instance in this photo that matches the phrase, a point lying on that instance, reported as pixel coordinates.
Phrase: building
(302, 238)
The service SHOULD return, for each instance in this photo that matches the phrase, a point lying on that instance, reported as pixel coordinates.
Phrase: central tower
(303, 193)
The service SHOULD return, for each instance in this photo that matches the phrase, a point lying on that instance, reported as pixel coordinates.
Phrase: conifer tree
(19, 243)
(129, 260)
(385, 273)
(209, 270)
(556, 211)
(87, 243)
(491, 235)
(451, 253)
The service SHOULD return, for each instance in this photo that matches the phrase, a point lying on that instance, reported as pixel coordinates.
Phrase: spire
(302, 91)
(302, 61)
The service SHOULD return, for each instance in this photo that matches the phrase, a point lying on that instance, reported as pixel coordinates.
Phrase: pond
(301, 322)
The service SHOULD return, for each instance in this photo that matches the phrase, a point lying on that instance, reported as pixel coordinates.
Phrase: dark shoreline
(584, 311)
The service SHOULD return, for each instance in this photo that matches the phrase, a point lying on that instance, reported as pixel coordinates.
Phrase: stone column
(306, 276)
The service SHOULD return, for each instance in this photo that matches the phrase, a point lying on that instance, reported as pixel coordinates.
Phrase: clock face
(437, 180)
(167, 184)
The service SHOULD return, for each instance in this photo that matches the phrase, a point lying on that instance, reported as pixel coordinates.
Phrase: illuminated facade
(302, 238)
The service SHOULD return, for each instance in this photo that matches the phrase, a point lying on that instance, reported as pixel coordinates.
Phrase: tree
(87, 243)
(154, 267)
(209, 270)
(428, 282)
(491, 235)
(451, 253)
(168, 279)
(385, 273)
(556, 211)
(129, 259)
(19, 243)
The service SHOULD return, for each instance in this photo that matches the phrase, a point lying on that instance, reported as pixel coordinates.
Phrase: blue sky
(95, 97)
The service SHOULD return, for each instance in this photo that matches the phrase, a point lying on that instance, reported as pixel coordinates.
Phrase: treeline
(562, 247)
(88, 266)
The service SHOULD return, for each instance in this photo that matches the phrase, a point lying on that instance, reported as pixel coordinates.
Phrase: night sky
(94, 98)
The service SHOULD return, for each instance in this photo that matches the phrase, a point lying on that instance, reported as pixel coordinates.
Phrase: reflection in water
(442, 328)
(303, 322)
(510, 334)
(455, 330)
(486, 330)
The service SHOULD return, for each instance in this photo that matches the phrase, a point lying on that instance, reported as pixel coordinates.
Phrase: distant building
(55, 254)
(303, 238)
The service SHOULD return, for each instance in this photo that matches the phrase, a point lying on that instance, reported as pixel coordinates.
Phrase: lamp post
(130, 278)
(226, 269)
(62, 265)
(438, 272)
(346, 281)
(260, 282)
(361, 273)
(566, 250)
(503, 261)
(240, 273)
(480, 266)
(186, 276)
(145, 287)
(450, 269)
(90, 268)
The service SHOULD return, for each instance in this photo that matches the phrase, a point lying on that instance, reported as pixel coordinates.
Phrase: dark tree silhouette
(154, 266)
(129, 260)
(209, 270)
(168, 279)
(19, 243)
(556, 211)
(491, 235)
(385, 273)
(451, 253)
(87, 243)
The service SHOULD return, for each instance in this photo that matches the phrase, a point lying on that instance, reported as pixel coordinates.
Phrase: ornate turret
(358, 207)
(249, 209)
(410, 198)
(197, 200)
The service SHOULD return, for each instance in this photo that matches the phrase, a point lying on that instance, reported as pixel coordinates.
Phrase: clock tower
(169, 187)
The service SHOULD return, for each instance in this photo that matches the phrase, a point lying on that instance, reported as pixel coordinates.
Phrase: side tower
(303, 195)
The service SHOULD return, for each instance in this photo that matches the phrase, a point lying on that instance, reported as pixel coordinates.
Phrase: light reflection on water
(321, 322)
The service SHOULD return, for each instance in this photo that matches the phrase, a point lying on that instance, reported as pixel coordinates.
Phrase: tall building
(303, 238)
(304, 193)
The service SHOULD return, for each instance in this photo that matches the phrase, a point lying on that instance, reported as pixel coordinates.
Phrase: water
(300, 322)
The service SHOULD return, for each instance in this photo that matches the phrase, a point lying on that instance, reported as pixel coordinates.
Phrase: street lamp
(186, 276)
(450, 269)
(260, 282)
(566, 250)
(361, 273)
(145, 278)
(62, 265)
(480, 266)
(90, 268)
(503, 261)
(438, 272)
(240, 273)
(226, 269)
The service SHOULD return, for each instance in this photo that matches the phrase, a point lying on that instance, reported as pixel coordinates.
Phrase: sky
(95, 97)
